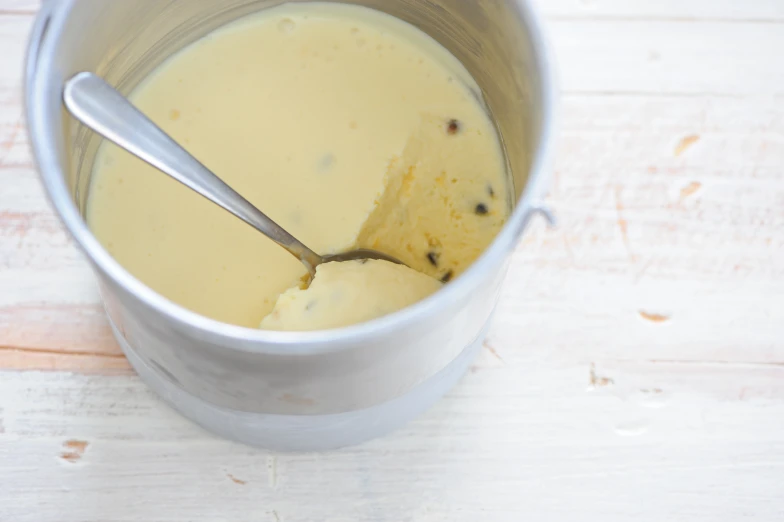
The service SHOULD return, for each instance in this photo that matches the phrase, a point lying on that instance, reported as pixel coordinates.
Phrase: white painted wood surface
(635, 370)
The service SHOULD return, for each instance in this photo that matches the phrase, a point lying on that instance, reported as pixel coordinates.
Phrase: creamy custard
(345, 125)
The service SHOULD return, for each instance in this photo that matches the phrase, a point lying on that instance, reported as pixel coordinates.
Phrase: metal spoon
(100, 107)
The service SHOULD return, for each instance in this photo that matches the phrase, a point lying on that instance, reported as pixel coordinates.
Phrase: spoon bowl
(360, 253)
(103, 109)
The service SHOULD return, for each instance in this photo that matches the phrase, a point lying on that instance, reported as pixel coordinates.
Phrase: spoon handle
(100, 107)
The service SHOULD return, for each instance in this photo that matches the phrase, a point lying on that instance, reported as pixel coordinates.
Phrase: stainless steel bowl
(291, 390)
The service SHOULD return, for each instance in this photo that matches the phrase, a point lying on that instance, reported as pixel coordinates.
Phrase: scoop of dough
(349, 292)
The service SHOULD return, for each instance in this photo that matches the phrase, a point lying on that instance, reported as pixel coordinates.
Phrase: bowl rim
(38, 89)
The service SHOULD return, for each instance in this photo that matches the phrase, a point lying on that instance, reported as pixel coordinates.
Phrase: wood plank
(659, 57)
(512, 442)
(19, 7)
(758, 11)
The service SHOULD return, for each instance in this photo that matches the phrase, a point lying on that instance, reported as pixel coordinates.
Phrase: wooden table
(635, 370)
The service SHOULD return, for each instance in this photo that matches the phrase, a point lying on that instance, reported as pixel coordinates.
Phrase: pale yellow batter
(310, 111)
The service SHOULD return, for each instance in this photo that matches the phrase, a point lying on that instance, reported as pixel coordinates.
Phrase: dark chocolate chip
(452, 127)
(481, 209)
(447, 277)
(433, 258)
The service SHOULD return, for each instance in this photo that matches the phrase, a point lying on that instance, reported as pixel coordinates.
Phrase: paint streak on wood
(685, 143)
(653, 317)
(8, 143)
(73, 450)
(690, 189)
(622, 223)
(21, 222)
(45, 351)
(236, 480)
(493, 351)
(64, 337)
(598, 381)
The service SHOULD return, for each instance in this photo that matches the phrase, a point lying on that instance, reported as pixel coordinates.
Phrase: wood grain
(635, 369)
(690, 445)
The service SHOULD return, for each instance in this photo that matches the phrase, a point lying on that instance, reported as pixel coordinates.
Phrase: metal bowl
(291, 390)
